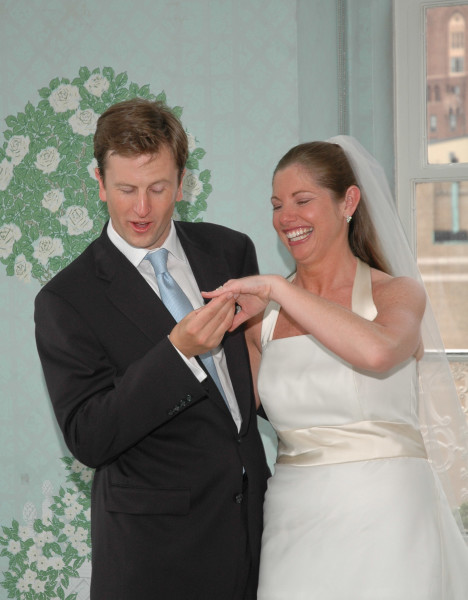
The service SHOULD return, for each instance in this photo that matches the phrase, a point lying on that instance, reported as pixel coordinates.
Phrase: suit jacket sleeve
(102, 411)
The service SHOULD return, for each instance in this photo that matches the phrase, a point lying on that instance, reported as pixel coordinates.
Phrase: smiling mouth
(140, 226)
(297, 235)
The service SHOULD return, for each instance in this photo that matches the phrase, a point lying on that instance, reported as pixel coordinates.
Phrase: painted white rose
(30, 576)
(86, 476)
(44, 537)
(48, 159)
(69, 530)
(33, 554)
(24, 532)
(68, 498)
(65, 97)
(53, 200)
(82, 549)
(46, 247)
(17, 148)
(72, 511)
(6, 173)
(191, 187)
(192, 144)
(22, 585)
(77, 220)
(81, 534)
(97, 85)
(38, 586)
(14, 546)
(56, 562)
(91, 167)
(84, 122)
(9, 234)
(76, 466)
(42, 563)
(22, 268)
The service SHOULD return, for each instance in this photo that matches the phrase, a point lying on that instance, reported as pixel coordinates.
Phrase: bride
(355, 509)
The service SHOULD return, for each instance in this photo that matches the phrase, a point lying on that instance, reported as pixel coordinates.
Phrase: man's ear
(102, 189)
(180, 190)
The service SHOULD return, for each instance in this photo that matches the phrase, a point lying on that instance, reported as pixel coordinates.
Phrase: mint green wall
(232, 66)
(345, 83)
(253, 78)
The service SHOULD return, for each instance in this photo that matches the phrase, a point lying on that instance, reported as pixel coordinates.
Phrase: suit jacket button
(238, 498)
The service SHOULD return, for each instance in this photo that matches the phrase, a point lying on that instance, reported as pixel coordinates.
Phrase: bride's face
(307, 218)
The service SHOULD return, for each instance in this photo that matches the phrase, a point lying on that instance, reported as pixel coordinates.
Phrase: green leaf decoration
(49, 203)
(46, 554)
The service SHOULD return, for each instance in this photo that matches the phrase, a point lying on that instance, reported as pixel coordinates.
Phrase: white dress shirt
(179, 268)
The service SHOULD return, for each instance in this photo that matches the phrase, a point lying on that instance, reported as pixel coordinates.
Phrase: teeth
(299, 234)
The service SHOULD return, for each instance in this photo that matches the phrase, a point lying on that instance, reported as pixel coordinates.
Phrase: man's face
(141, 192)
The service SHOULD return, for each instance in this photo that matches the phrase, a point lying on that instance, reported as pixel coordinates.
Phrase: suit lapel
(129, 292)
(209, 271)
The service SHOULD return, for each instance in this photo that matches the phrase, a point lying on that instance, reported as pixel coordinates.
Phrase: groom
(180, 467)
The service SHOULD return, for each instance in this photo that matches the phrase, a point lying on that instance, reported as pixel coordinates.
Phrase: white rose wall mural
(50, 212)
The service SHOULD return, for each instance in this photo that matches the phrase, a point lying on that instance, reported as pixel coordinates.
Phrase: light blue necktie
(178, 304)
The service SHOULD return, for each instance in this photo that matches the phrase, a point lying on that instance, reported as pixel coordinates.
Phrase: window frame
(410, 107)
(411, 165)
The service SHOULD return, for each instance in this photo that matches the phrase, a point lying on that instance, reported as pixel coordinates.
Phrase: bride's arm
(376, 345)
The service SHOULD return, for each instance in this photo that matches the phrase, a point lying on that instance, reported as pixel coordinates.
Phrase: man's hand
(203, 329)
(252, 295)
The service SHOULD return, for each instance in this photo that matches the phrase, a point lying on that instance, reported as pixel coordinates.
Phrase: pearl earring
(348, 219)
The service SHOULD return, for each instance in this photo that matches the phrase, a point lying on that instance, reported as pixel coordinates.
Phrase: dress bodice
(302, 384)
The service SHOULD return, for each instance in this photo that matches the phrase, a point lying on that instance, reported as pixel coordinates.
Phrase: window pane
(446, 83)
(442, 243)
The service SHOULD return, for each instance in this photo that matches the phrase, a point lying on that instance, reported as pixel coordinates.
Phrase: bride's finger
(219, 291)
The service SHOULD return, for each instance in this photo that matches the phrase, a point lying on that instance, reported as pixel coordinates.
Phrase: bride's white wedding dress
(354, 510)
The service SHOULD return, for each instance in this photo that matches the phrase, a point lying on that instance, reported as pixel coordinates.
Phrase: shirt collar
(136, 255)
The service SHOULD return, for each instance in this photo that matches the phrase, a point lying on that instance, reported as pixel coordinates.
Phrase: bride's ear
(352, 197)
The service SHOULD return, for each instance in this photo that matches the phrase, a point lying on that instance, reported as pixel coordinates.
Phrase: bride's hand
(252, 294)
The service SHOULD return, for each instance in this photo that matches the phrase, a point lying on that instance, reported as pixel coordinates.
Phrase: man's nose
(142, 206)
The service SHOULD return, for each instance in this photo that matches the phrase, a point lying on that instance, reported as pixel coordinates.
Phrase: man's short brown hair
(139, 126)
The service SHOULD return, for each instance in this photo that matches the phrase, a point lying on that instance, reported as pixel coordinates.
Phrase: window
(456, 36)
(457, 40)
(457, 64)
(432, 154)
(453, 123)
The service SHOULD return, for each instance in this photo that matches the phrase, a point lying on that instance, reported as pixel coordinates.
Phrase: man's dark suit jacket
(167, 498)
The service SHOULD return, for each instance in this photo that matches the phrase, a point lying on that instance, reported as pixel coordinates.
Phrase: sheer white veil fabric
(443, 423)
